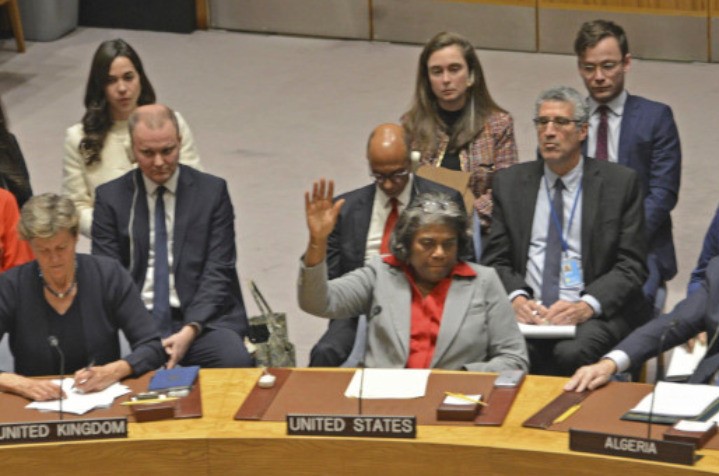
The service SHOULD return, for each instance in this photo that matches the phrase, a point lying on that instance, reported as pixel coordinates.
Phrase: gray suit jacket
(478, 330)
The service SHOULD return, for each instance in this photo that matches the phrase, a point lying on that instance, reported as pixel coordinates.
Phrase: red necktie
(388, 227)
(602, 152)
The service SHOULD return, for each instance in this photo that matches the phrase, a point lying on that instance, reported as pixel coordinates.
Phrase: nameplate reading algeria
(377, 426)
(65, 430)
(631, 447)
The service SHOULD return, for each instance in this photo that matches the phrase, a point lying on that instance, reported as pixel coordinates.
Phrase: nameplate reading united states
(376, 426)
(63, 430)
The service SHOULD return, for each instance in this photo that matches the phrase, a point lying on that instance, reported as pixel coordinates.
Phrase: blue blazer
(204, 254)
(107, 301)
(649, 144)
(699, 312)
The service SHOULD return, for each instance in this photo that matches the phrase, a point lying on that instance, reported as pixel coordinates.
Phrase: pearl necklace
(60, 294)
(57, 294)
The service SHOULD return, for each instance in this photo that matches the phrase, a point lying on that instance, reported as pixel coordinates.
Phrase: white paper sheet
(683, 362)
(679, 399)
(694, 426)
(547, 331)
(79, 403)
(389, 383)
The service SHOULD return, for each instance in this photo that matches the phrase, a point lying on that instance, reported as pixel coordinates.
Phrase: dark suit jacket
(613, 244)
(347, 243)
(697, 313)
(649, 144)
(204, 243)
(107, 302)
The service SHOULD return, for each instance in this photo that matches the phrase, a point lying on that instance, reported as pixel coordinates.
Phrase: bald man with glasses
(365, 224)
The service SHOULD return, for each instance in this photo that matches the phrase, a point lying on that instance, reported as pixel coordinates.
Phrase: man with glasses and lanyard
(567, 240)
(365, 224)
(635, 132)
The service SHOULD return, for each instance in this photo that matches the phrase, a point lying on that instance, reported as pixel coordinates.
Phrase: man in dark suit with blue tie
(567, 241)
(361, 225)
(173, 228)
(635, 132)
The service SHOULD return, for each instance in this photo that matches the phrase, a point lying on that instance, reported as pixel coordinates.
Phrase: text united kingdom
(41, 432)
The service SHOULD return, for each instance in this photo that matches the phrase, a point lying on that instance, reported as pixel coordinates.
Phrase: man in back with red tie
(365, 223)
(635, 132)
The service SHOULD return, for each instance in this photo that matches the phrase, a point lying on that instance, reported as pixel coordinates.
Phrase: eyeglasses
(394, 177)
(606, 67)
(559, 121)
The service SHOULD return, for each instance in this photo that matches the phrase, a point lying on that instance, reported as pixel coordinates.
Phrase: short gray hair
(565, 94)
(432, 208)
(43, 216)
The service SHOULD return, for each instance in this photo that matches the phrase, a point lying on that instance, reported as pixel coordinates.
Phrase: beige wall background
(678, 30)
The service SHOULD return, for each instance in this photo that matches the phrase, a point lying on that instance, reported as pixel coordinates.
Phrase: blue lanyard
(555, 217)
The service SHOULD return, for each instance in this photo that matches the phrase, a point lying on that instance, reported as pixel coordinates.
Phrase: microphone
(54, 343)
(660, 374)
(375, 310)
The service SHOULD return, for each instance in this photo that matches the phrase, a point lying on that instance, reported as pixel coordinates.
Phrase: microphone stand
(54, 343)
(362, 364)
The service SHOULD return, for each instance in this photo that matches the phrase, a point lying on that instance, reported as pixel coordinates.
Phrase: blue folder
(176, 379)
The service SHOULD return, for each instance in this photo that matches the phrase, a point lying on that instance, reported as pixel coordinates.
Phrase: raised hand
(321, 215)
(320, 211)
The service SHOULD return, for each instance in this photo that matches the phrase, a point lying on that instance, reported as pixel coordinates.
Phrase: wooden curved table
(218, 445)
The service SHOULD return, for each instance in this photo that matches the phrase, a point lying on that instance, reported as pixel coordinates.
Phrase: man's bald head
(388, 155)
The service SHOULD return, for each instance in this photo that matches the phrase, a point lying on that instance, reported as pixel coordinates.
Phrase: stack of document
(676, 401)
(81, 403)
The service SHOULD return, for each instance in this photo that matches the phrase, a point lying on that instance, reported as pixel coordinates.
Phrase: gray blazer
(478, 330)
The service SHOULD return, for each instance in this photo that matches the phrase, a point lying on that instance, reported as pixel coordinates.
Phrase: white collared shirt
(614, 125)
(169, 199)
(381, 208)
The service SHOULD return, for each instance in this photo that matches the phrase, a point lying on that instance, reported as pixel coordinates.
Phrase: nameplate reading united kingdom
(374, 426)
(63, 430)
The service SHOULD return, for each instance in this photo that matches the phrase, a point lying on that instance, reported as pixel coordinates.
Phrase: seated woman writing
(73, 301)
(426, 308)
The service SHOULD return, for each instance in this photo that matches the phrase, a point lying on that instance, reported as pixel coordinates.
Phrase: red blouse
(426, 313)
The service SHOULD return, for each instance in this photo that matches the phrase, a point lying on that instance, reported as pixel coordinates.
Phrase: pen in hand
(86, 373)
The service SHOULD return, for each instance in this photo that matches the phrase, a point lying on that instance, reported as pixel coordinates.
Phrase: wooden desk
(218, 445)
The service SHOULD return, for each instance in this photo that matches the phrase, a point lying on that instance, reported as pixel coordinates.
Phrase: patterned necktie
(388, 227)
(553, 253)
(602, 152)
(161, 278)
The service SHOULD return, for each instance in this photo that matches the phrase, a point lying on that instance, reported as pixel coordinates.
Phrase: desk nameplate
(373, 426)
(631, 447)
(63, 430)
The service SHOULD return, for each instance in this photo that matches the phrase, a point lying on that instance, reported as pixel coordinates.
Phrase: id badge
(572, 273)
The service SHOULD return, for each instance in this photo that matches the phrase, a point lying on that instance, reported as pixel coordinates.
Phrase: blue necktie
(553, 253)
(161, 289)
